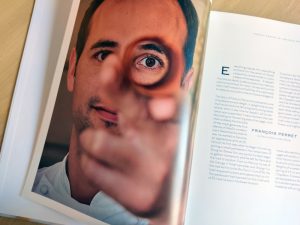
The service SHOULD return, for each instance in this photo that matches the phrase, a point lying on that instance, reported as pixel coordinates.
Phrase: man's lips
(106, 114)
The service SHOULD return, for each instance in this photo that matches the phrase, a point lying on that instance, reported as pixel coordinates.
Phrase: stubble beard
(81, 121)
(82, 118)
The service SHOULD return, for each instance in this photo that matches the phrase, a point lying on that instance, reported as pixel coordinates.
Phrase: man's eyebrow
(105, 44)
(153, 47)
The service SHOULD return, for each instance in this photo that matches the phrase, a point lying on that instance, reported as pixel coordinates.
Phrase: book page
(246, 159)
(112, 147)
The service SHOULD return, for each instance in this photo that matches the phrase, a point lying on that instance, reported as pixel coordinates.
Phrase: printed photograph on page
(113, 137)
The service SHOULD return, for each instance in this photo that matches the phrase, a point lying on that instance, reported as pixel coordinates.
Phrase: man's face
(138, 43)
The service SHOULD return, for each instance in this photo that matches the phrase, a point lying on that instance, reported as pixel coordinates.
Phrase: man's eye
(149, 69)
(100, 56)
(150, 62)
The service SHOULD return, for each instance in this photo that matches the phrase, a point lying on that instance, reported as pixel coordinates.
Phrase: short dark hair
(190, 15)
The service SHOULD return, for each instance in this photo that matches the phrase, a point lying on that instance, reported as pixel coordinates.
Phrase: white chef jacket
(52, 182)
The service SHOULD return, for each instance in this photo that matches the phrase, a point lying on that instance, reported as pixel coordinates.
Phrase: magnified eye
(149, 69)
(101, 55)
(151, 62)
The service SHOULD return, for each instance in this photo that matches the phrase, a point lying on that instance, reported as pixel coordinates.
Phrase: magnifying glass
(154, 69)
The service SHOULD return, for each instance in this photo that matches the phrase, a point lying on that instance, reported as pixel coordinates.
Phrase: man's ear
(71, 70)
(188, 80)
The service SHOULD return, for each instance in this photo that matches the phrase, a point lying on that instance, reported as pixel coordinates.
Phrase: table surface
(15, 17)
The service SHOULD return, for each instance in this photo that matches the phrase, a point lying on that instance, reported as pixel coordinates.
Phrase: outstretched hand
(133, 165)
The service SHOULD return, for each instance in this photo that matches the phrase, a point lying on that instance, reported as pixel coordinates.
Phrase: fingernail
(162, 109)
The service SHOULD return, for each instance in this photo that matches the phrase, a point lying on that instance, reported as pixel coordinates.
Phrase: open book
(236, 159)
